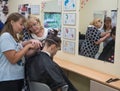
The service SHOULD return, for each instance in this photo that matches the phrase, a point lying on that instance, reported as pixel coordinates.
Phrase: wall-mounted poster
(69, 4)
(69, 33)
(69, 18)
(24, 9)
(69, 47)
(35, 9)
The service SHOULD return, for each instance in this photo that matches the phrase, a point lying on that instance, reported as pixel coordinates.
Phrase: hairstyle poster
(69, 18)
(69, 47)
(69, 4)
(69, 33)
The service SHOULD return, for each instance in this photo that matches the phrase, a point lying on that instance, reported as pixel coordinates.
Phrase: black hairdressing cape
(42, 68)
(108, 52)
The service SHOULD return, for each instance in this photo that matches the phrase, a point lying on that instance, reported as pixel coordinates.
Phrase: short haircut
(53, 40)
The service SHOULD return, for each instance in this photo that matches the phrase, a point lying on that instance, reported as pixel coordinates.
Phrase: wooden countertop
(88, 72)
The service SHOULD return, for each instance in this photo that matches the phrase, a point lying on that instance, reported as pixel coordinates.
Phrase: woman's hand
(32, 41)
(107, 35)
(32, 48)
(36, 43)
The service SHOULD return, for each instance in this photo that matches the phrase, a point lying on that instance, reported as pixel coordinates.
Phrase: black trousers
(15, 85)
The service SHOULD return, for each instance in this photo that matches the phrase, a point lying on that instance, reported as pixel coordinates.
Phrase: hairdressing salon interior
(72, 18)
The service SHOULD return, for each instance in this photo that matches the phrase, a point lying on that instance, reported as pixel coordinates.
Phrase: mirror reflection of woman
(93, 39)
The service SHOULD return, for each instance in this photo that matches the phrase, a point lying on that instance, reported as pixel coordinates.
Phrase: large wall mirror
(98, 19)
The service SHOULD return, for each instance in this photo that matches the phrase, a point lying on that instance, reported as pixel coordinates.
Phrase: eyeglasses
(33, 25)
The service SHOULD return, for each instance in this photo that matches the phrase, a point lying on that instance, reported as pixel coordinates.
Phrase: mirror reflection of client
(42, 68)
(93, 38)
(107, 27)
(108, 51)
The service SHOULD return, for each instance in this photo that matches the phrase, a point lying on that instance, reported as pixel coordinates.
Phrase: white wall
(13, 4)
(50, 6)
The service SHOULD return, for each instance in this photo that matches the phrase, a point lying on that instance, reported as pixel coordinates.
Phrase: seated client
(42, 68)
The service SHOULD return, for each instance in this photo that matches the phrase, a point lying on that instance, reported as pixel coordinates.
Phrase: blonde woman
(34, 29)
(93, 39)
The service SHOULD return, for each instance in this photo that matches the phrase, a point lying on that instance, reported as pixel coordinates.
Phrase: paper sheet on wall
(69, 47)
(69, 33)
(35, 9)
(69, 18)
(69, 4)
(24, 9)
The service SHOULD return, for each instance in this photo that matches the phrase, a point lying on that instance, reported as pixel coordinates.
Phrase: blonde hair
(95, 21)
(30, 19)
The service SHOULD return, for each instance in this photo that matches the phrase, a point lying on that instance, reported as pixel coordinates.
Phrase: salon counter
(88, 73)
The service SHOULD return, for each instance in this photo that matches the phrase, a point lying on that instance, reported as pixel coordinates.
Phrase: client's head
(52, 45)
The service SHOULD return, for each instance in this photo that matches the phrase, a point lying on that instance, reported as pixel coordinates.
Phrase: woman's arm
(104, 33)
(14, 56)
(33, 41)
(103, 38)
(37, 47)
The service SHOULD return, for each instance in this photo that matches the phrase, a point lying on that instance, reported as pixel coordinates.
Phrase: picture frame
(68, 47)
(69, 19)
(35, 9)
(69, 5)
(24, 9)
(69, 33)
